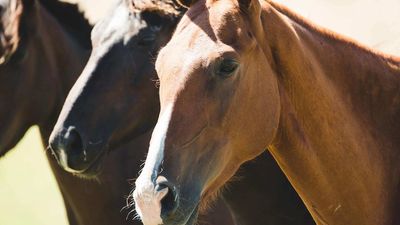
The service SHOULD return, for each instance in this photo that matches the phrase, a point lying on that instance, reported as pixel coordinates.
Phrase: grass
(28, 191)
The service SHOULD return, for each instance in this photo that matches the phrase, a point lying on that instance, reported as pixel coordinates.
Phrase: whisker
(48, 148)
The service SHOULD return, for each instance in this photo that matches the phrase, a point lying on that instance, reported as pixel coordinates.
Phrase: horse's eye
(227, 68)
(146, 41)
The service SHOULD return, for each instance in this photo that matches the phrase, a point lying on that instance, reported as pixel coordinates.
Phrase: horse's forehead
(187, 48)
(214, 14)
(204, 33)
(223, 12)
(218, 22)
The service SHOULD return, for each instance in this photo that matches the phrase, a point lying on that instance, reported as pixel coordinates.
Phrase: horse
(43, 48)
(242, 76)
(116, 99)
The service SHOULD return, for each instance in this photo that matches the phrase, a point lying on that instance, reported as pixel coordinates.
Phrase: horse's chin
(184, 215)
(209, 198)
(191, 219)
(88, 176)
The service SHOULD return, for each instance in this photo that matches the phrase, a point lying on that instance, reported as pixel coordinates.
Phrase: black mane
(72, 19)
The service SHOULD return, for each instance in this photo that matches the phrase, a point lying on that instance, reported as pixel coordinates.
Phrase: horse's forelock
(9, 29)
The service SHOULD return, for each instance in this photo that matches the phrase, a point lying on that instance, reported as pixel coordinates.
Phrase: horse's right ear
(250, 6)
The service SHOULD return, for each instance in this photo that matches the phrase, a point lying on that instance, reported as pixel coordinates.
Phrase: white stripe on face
(147, 199)
(156, 148)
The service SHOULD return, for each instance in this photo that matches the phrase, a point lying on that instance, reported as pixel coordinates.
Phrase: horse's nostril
(73, 142)
(169, 203)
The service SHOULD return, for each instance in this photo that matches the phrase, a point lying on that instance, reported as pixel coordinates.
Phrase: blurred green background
(28, 192)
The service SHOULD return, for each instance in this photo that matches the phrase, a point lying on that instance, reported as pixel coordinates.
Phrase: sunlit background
(28, 192)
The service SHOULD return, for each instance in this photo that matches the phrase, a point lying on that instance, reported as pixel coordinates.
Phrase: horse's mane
(165, 8)
(330, 34)
(72, 19)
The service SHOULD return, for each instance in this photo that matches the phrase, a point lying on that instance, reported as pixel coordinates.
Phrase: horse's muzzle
(157, 201)
(70, 151)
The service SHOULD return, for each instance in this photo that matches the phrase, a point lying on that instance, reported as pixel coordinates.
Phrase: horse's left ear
(252, 10)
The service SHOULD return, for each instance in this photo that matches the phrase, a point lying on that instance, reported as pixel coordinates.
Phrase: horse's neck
(340, 115)
(65, 59)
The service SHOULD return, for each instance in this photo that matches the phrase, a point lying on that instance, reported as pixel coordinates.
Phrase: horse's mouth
(94, 168)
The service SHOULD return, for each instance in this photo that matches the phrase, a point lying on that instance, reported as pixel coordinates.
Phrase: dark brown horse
(116, 99)
(44, 46)
(242, 75)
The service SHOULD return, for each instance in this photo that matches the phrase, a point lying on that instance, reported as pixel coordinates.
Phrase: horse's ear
(244, 4)
(250, 6)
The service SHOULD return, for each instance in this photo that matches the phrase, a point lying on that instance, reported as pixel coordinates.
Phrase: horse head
(115, 98)
(212, 75)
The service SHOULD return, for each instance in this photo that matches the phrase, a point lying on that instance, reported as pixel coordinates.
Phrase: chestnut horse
(116, 99)
(44, 46)
(238, 76)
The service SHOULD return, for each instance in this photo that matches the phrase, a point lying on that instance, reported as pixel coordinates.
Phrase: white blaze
(147, 199)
